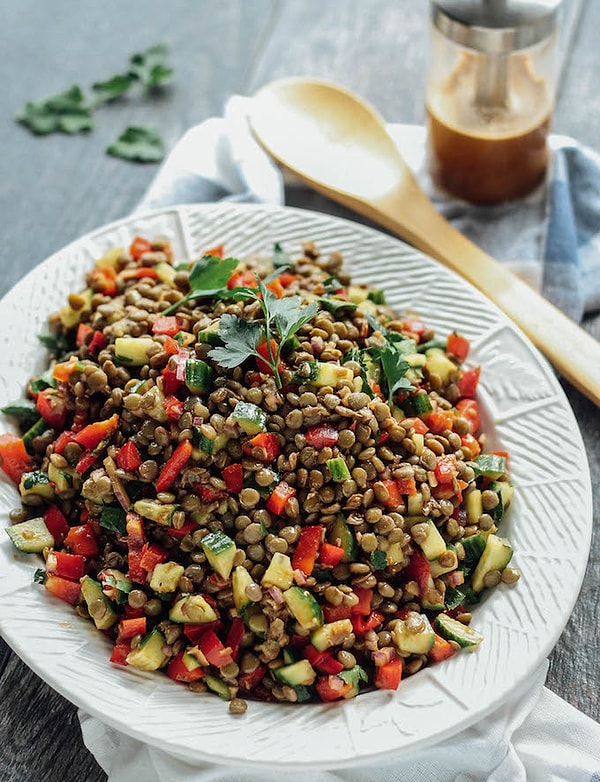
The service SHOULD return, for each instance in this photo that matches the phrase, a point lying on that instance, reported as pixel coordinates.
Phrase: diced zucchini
(155, 511)
(166, 273)
(490, 465)
(331, 634)
(418, 404)
(149, 655)
(249, 417)
(184, 338)
(300, 672)
(31, 536)
(496, 556)
(279, 573)
(65, 479)
(99, 606)
(341, 535)
(434, 544)
(220, 552)
(438, 363)
(474, 547)
(198, 376)
(438, 570)
(115, 584)
(70, 315)
(338, 469)
(414, 504)
(453, 630)
(415, 361)
(36, 430)
(411, 642)
(110, 258)
(35, 484)
(154, 407)
(165, 577)
(432, 604)
(304, 608)
(240, 579)
(376, 296)
(322, 374)
(473, 506)
(205, 444)
(357, 293)
(133, 351)
(218, 686)
(192, 609)
(210, 334)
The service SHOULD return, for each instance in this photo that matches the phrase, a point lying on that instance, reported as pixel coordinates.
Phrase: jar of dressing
(490, 94)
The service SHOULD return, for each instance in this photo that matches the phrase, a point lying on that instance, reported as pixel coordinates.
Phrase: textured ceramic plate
(526, 413)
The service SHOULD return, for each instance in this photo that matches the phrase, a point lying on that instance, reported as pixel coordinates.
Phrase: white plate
(549, 522)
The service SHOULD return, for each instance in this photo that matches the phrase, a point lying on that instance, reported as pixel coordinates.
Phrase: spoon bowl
(338, 144)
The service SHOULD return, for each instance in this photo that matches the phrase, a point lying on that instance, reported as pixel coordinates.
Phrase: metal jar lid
(495, 26)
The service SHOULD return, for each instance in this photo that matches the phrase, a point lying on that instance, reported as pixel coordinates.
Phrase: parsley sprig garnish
(241, 338)
(208, 277)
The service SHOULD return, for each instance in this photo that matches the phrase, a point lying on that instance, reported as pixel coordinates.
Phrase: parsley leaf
(149, 68)
(241, 338)
(113, 519)
(113, 88)
(66, 112)
(208, 277)
(143, 145)
(394, 368)
(280, 257)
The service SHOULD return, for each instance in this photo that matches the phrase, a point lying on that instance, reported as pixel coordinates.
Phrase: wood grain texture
(55, 189)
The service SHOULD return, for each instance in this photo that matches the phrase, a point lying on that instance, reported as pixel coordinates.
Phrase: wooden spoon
(335, 142)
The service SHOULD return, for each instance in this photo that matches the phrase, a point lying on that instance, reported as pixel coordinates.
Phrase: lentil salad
(311, 521)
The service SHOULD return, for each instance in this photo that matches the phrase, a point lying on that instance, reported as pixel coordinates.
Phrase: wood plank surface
(54, 189)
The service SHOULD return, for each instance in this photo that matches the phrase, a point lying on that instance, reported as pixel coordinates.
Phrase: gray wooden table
(54, 189)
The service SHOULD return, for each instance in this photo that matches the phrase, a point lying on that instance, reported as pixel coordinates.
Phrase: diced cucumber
(474, 547)
(496, 556)
(414, 504)
(331, 634)
(438, 363)
(210, 334)
(149, 655)
(297, 673)
(240, 579)
(133, 351)
(192, 609)
(438, 570)
(166, 273)
(419, 642)
(357, 293)
(31, 536)
(250, 417)
(418, 404)
(490, 465)
(154, 401)
(338, 469)
(218, 686)
(279, 573)
(341, 535)
(155, 511)
(433, 545)
(93, 594)
(65, 479)
(35, 484)
(304, 607)
(220, 552)
(432, 604)
(198, 376)
(110, 258)
(322, 374)
(165, 577)
(453, 630)
(376, 296)
(184, 338)
(205, 444)
(36, 430)
(473, 506)
(70, 316)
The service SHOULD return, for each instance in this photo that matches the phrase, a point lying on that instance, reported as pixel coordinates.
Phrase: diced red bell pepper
(84, 331)
(97, 343)
(365, 598)
(136, 539)
(472, 443)
(130, 627)
(333, 613)
(188, 528)
(174, 466)
(287, 278)
(264, 447)
(217, 251)
(394, 497)
(52, 407)
(419, 570)
(469, 380)
(139, 273)
(416, 424)
(263, 365)
(65, 565)
(128, 457)
(151, 555)
(416, 326)
(388, 676)
(307, 548)
(469, 410)
(14, 458)
(86, 461)
(179, 672)
(331, 688)
(439, 420)
(330, 555)
(81, 540)
(235, 636)
(173, 407)
(233, 475)
(194, 631)
(56, 523)
(458, 346)
(278, 498)
(103, 279)
(63, 370)
(445, 468)
(209, 493)
(248, 681)
(63, 588)
(407, 486)
(92, 435)
(119, 653)
(138, 247)
(215, 652)
(276, 287)
(324, 662)
(166, 324)
(170, 381)
(362, 624)
(63, 439)
(321, 436)
(242, 279)
(441, 649)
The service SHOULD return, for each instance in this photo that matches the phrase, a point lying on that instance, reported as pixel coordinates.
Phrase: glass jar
(490, 94)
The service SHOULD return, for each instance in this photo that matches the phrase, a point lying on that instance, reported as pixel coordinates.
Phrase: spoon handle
(573, 352)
